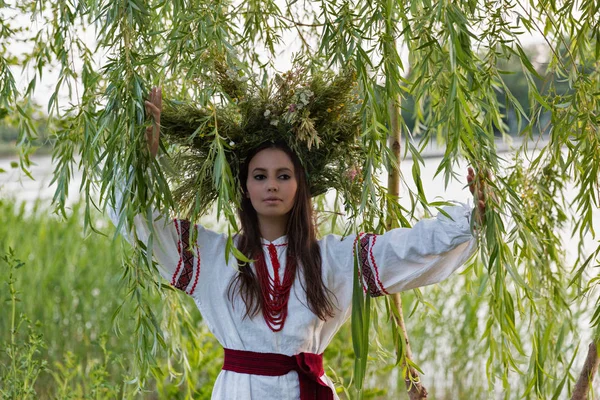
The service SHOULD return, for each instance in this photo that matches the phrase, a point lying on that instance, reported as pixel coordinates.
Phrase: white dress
(398, 260)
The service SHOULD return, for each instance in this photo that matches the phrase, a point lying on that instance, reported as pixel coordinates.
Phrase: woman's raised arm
(407, 258)
(171, 241)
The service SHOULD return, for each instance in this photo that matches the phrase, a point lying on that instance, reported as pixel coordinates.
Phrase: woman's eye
(259, 177)
(284, 177)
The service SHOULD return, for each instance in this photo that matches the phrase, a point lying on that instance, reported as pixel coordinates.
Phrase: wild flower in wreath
(317, 115)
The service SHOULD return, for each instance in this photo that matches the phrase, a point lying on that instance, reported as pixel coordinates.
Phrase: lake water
(15, 184)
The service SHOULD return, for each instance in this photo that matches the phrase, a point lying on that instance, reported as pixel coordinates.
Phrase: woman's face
(271, 183)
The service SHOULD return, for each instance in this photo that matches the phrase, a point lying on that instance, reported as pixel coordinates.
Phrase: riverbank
(9, 150)
(432, 150)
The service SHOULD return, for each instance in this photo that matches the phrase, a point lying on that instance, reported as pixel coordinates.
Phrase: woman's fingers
(154, 103)
(152, 109)
(470, 180)
(150, 106)
(477, 186)
(156, 97)
(152, 141)
(149, 134)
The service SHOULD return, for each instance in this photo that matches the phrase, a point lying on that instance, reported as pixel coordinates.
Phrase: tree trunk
(590, 367)
(416, 391)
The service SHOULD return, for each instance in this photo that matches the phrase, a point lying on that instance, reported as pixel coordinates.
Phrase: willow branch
(290, 20)
(416, 391)
(590, 367)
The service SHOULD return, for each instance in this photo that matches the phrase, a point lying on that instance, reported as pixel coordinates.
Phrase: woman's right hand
(480, 191)
(154, 108)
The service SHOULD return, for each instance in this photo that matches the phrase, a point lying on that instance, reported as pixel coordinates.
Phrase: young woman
(275, 316)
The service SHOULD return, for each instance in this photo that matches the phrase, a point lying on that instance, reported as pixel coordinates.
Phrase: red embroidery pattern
(375, 265)
(197, 265)
(176, 222)
(368, 277)
(276, 245)
(354, 254)
(187, 256)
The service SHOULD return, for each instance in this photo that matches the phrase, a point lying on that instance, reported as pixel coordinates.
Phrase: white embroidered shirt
(398, 260)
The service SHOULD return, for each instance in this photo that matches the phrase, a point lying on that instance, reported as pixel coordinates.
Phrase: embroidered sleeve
(368, 270)
(407, 258)
(179, 248)
(425, 254)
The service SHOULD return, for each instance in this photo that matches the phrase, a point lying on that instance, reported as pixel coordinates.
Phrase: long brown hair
(301, 237)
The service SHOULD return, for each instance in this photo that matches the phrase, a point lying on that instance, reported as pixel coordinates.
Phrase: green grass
(70, 287)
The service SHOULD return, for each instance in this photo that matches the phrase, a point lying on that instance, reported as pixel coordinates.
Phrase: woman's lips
(272, 200)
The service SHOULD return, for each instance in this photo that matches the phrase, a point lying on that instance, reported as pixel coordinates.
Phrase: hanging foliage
(517, 315)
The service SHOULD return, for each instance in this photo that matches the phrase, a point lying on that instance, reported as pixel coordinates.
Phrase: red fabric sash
(308, 366)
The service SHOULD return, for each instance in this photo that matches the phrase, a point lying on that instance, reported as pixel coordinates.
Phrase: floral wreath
(316, 114)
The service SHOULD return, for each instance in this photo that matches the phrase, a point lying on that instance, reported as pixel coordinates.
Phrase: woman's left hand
(477, 186)
(154, 109)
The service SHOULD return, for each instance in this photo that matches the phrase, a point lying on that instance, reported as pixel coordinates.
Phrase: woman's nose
(272, 186)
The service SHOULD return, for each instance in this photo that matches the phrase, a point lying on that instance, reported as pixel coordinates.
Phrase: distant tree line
(516, 80)
(9, 132)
